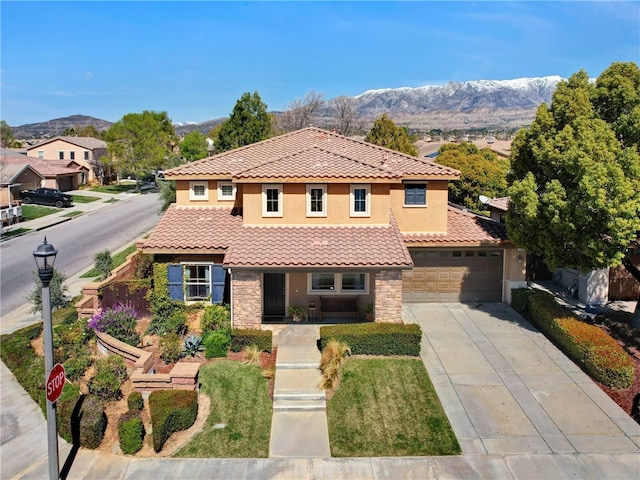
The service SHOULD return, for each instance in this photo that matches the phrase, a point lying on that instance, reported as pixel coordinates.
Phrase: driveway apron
(507, 390)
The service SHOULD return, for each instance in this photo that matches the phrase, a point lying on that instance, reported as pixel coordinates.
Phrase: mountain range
(476, 104)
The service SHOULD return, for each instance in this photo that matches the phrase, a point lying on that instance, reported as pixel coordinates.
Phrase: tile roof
(319, 246)
(46, 168)
(462, 227)
(311, 145)
(501, 204)
(90, 143)
(194, 229)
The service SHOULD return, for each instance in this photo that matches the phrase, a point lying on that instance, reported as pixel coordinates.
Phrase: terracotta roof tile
(463, 227)
(194, 228)
(48, 168)
(501, 204)
(325, 145)
(319, 246)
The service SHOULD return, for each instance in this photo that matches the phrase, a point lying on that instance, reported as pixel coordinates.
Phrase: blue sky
(195, 59)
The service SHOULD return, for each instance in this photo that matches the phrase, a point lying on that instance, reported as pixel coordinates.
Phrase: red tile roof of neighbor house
(194, 229)
(48, 168)
(313, 146)
(501, 204)
(462, 227)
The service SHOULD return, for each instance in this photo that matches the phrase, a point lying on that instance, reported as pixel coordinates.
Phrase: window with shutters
(415, 194)
(197, 282)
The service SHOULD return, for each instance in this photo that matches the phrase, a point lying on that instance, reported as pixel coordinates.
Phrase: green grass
(388, 407)
(75, 213)
(84, 199)
(115, 188)
(239, 398)
(14, 233)
(118, 259)
(31, 212)
(111, 200)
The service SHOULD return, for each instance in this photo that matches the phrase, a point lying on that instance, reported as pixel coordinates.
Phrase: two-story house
(313, 214)
(85, 151)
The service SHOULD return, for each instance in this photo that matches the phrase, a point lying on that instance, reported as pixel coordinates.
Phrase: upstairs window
(86, 155)
(415, 194)
(316, 200)
(60, 155)
(72, 155)
(272, 200)
(360, 201)
(199, 191)
(40, 153)
(226, 191)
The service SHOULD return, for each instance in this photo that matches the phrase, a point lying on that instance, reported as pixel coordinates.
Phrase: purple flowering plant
(118, 321)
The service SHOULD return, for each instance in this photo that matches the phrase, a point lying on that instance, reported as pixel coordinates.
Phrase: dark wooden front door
(274, 291)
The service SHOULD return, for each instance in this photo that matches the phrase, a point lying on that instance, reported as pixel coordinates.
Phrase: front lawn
(84, 199)
(31, 212)
(118, 259)
(239, 400)
(115, 188)
(388, 407)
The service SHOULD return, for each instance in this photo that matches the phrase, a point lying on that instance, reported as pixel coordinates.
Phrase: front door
(274, 293)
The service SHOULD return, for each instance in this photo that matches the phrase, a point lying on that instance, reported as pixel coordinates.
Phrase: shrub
(103, 263)
(135, 401)
(375, 338)
(57, 289)
(111, 371)
(193, 345)
(242, 338)
(131, 432)
(588, 345)
(215, 317)
(254, 355)
(75, 367)
(333, 356)
(69, 340)
(162, 306)
(118, 321)
(176, 323)
(520, 300)
(81, 420)
(171, 347)
(171, 411)
(216, 345)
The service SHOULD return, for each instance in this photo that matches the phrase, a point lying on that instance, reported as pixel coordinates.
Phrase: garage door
(453, 276)
(65, 183)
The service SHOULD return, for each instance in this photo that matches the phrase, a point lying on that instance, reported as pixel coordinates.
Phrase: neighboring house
(13, 178)
(86, 151)
(61, 174)
(498, 208)
(313, 214)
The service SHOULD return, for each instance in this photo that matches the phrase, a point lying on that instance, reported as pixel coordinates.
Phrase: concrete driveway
(507, 390)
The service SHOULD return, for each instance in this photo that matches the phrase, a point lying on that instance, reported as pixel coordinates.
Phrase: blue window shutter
(218, 277)
(174, 277)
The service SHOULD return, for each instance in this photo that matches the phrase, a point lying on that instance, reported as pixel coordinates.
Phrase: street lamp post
(45, 256)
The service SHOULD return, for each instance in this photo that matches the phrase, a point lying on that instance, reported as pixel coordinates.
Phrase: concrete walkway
(519, 407)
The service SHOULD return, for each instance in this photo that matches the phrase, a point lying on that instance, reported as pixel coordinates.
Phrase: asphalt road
(77, 241)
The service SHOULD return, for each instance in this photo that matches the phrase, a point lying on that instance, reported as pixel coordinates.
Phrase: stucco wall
(429, 218)
(183, 195)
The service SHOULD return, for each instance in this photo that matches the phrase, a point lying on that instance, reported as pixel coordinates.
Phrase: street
(77, 241)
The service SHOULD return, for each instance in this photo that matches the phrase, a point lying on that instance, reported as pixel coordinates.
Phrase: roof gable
(90, 143)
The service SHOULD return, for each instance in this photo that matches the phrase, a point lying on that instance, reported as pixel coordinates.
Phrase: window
(360, 200)
(198, 191)
(272, 200)
(226, 191)
(60, 155)
(40, 153)
(196, 282)
(316, 200)
(86, 155)
(322, 282)
(72, 155)
(415, 194)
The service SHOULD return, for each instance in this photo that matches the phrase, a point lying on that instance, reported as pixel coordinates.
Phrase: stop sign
(55, 382)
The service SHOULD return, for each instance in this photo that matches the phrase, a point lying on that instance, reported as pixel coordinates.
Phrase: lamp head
(45, 256)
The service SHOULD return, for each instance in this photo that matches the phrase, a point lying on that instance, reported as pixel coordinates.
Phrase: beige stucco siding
(429, 218)
(183, 196)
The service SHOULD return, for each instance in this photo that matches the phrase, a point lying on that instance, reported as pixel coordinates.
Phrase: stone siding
(388, 296)
(246, 295)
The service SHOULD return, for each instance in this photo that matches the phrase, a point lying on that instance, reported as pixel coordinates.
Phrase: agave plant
(193, 345)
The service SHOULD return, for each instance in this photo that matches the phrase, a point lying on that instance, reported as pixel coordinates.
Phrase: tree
(7, 140)
(167, 193)
(89, 131)
(387, 134)
(301, 113)
(346, 115)
(482, 172)
(57, 288)
(103, 263)
(193, 146)
(140, 142)
(574, 190)
(248, 123)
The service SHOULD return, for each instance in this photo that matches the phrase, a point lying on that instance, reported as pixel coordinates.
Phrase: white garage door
(472, 275)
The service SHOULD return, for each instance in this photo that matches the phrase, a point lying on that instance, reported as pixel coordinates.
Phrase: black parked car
(46, 196)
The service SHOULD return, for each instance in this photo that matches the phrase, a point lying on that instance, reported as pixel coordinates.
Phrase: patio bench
(339, 307)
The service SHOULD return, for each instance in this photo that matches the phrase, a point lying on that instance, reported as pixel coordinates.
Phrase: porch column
(247, 299)
(388, 296)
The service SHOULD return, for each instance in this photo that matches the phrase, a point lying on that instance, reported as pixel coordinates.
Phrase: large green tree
(387, 134)
(141, 142)
(575, 175)
(7, 140)
(248, 123)
(193, 146)
(482, 172)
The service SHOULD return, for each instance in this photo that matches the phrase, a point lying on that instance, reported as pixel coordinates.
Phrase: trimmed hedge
(131, 432)
(82, 421)
(589, 346)
(171, 411)
(242, 338)
(135, 401)
(375, 338)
